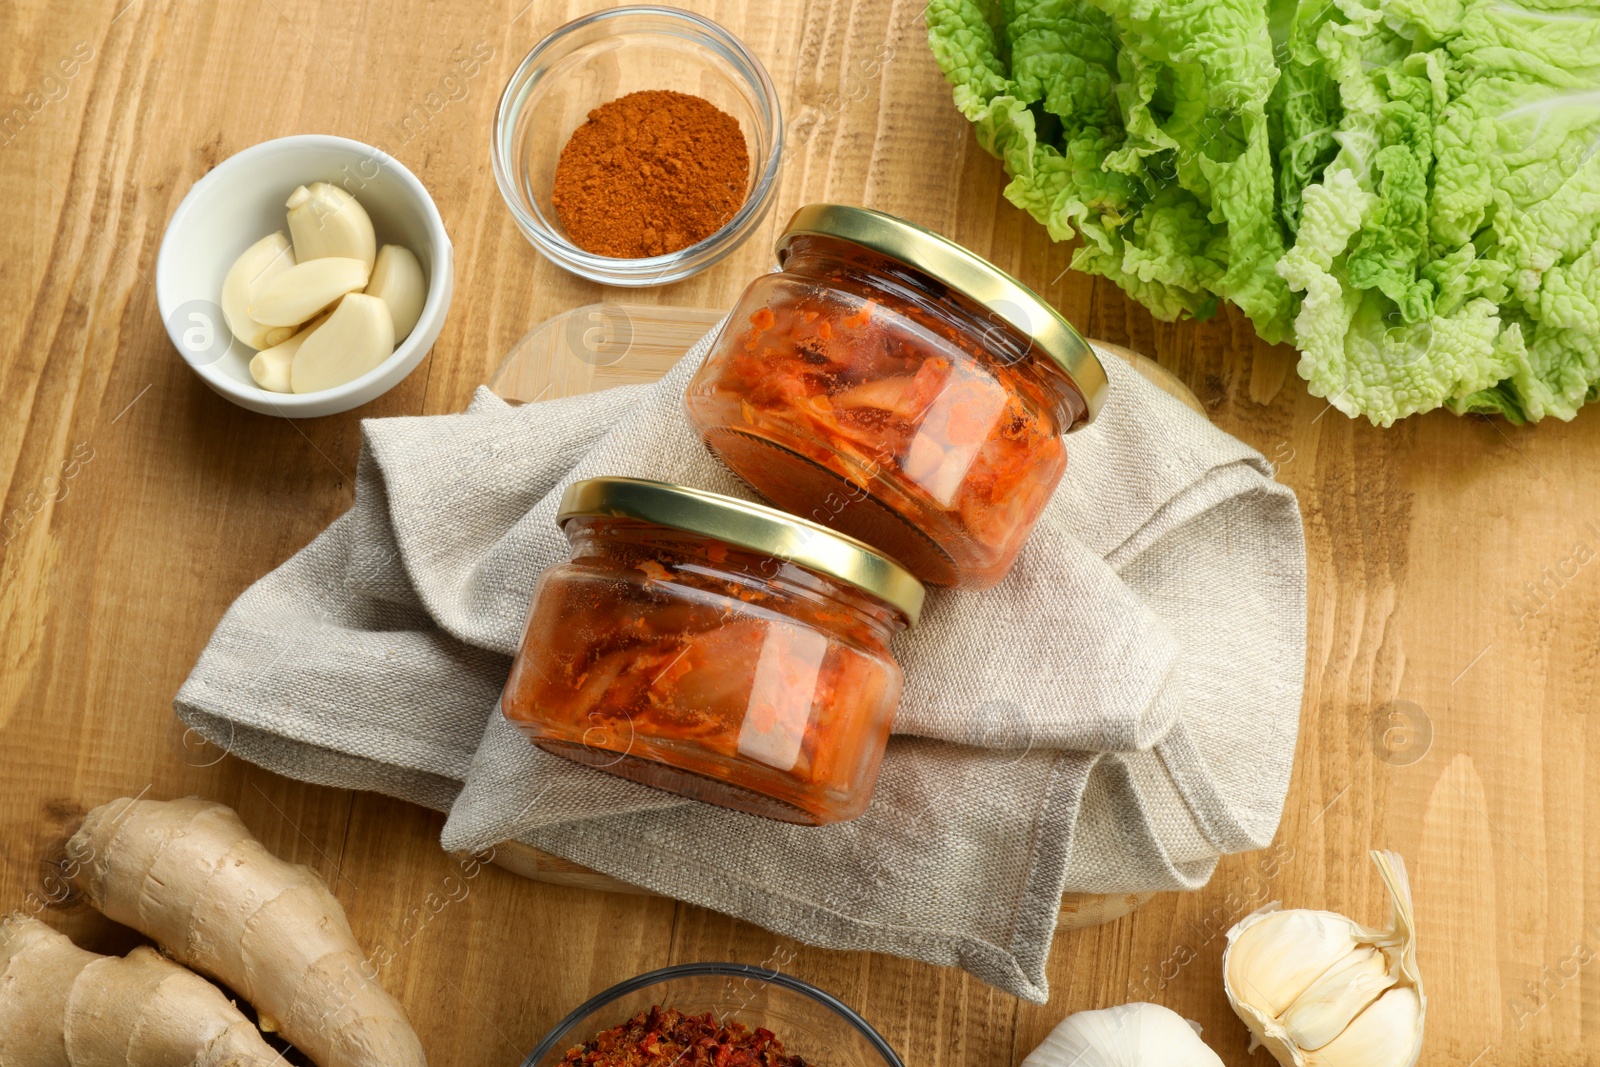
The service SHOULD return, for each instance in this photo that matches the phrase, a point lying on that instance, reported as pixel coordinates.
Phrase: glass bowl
(595, 59)
(810, 1023)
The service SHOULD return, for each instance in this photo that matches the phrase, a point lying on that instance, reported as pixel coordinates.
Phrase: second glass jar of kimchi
(892, 385)
(714, 648)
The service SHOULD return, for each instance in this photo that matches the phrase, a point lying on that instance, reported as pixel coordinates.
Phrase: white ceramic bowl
(242, 201)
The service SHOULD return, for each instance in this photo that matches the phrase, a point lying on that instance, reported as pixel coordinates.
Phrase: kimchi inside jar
(863, 391)
(709, 668)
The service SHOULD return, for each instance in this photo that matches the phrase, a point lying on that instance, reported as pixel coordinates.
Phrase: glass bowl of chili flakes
(713, 1015)
(654, 131)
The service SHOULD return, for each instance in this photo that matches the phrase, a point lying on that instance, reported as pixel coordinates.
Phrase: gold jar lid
(971, 275)
(752, 526)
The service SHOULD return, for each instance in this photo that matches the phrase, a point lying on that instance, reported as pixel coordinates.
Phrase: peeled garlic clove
(270, 367)
(262, 261)
(1130, 1035)
(397, 281)
(325, 221)
(1268, 978)
(1388, 1034)
(357, 337)
(293, 296)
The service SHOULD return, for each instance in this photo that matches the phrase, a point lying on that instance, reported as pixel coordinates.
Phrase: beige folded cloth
(1112, 717)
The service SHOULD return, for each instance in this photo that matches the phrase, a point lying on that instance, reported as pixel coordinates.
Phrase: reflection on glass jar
(896, 387)
(750, 669)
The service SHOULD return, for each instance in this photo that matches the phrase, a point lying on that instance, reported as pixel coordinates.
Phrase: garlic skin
(325, 221)
(1322, 1012)
(397, 281)
(357, 337)
(261, 262)
(1130, 1035)
(1276, 979)
(1320, 990)
(1372, 1038)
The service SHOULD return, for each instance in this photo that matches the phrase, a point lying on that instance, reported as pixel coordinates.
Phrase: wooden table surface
(1454, 656)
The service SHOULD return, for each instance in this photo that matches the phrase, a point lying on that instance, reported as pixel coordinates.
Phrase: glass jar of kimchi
(714, 648)
(890, 384)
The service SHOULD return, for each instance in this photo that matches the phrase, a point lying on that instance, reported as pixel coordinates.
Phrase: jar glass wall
(857, 390)
(708, 669)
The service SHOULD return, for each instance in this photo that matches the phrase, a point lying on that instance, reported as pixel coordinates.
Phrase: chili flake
(665, 1037)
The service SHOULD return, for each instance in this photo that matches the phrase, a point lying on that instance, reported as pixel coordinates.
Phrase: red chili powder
(650, 173)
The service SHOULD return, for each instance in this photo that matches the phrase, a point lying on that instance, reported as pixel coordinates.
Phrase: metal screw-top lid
(971, 275)
(751, 526)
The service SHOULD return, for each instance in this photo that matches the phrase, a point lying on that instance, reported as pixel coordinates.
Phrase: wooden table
(1453, 584)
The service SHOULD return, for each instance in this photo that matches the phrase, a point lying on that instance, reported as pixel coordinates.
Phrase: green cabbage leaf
(1407, 190)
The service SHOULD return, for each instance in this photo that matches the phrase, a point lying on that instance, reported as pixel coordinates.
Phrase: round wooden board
(598, 346)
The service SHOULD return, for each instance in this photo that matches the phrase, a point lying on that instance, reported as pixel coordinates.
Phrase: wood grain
(1452, 561)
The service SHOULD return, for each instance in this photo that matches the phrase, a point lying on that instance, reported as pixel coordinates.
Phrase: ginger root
(62, 1006)
(37, 970)
(188, 875)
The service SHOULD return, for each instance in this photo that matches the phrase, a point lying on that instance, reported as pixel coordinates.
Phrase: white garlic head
(1130, 1035)
(1319, 990)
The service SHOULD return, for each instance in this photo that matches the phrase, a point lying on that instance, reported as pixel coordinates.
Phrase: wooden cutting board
(598, 346)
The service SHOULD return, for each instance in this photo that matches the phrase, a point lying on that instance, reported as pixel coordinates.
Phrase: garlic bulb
(1319, 990)
(1131, 1035)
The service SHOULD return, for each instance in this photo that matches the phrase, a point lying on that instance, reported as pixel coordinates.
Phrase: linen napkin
(1112, 717)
